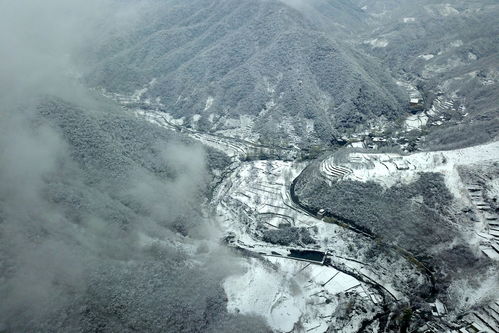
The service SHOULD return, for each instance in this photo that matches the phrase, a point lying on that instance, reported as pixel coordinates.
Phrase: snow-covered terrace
(390, 169)
(258, 193)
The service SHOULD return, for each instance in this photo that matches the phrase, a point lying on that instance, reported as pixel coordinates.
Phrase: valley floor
(332, 284)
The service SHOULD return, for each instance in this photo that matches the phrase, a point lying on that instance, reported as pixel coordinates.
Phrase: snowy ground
(291, 294)
(377, 42)
(391, 169)
(241, 128)
(445, 104)
(230, 147)
(258, 193)
(416, 121)
(237, 128)
(300, 296)
(483, 190)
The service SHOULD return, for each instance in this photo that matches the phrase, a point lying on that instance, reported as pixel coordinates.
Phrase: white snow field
(296, 295)
(292, 295)
(391, 169)
(416, 121)
(230, 147)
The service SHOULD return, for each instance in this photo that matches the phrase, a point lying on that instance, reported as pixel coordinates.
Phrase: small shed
(416, 104)
(414, 101)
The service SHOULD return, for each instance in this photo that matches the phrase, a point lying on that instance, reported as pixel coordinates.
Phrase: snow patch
(271, 88)
(426, 56)
(209, 103)
(442, 10)
(409, 19)
(137, 95)
(309, 126)
(416, 121)
(377, 42)
(448, 10)
(263, 292)
(472, 56)
(391, 169)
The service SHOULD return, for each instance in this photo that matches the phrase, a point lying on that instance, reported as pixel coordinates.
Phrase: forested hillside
(448, 50)
(99, 213)
(214, 61)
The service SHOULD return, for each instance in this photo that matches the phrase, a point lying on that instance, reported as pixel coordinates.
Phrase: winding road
(243, 237)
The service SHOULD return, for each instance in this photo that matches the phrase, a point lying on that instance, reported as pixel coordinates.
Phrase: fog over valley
(249, 166)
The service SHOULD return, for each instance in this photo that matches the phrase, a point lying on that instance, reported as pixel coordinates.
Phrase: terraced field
(326, 277)
(255, 198)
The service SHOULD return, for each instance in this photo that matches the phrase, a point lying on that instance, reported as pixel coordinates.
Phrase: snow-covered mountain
(304, 166)
(226, 64)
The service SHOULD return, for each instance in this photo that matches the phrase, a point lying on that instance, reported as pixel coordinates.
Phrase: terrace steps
(330, 170)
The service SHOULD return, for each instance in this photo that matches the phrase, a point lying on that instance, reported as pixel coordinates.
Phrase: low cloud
(89, 214)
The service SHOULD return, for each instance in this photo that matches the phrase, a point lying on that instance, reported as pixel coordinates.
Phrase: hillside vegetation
(99, 214)
(420, 217)
(223, 59)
